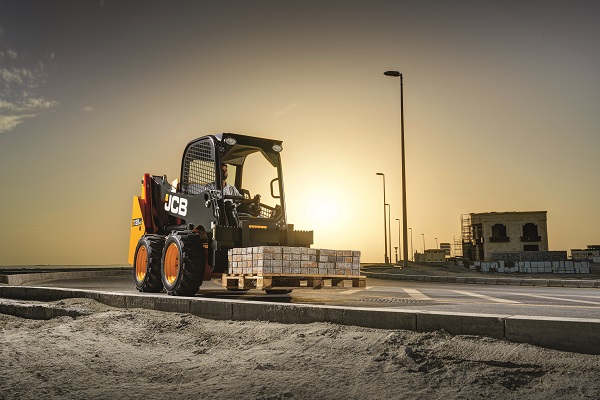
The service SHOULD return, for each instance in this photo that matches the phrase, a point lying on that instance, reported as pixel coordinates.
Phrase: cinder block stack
(293, 260)
(493, 266)
(535, 267)
(571, 267)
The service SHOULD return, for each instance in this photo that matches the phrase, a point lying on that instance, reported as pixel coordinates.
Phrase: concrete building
(446, 248)
(431, 256)
(502, 232)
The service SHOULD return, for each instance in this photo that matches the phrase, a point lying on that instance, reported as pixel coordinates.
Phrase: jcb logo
(176, 205)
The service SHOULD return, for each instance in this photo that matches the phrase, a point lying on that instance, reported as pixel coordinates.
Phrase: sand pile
(140, 354)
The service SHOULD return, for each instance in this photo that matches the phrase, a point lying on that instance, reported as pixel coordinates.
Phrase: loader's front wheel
(146, 263)
(183, 264)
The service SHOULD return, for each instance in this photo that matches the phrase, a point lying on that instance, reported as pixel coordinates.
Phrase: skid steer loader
(181, 232)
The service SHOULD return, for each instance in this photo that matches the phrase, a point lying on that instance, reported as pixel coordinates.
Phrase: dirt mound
(141, 354)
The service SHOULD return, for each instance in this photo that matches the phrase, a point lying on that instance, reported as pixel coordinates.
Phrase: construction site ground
(96, 351)
(101, 352)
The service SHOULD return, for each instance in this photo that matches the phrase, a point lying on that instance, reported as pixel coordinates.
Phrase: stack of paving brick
(571, 267)
(535, 267)
(293, 260)
(555, 267)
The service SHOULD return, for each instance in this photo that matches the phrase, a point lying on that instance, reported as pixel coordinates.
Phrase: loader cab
(254, 167)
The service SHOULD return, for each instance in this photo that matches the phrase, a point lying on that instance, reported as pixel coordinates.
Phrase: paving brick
(293, 260)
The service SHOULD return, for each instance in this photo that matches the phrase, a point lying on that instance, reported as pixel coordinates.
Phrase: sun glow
(323, 211)
(324, 214)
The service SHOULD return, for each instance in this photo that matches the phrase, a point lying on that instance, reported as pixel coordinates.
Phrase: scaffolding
(466, 232)
(466, 229)
(457, 247)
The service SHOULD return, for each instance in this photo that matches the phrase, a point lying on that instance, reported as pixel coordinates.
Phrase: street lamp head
(379, 173)
(392, 73)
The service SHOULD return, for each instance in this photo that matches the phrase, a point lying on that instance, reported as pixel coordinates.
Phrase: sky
(500, 111)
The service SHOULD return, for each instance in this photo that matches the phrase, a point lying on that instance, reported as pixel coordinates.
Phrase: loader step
(290, 281)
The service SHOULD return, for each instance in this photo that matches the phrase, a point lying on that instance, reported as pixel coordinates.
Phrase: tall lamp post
(389, 226)
(412, 253)
(398, 219)
(437, 246)
(405, 237)
(384, 219)
(422, 234)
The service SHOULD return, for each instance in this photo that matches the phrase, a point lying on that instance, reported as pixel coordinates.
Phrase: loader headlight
(230, 141)
(277, 148)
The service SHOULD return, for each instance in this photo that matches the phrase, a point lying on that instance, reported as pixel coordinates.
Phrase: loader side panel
(146, 203)
(138, 228)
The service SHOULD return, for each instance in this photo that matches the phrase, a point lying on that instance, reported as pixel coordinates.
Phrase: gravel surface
(110, 353)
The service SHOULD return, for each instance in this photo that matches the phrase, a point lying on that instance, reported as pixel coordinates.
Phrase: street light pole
(389, 226)
(437, 246)
(405, 225)
(412, 253)
(384, 219)
(398, 219)
(422, 234)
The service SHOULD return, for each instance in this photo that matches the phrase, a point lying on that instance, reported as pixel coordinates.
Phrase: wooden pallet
(290, 281)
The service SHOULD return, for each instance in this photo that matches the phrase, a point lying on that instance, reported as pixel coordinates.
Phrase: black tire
(147, 263)
(182, 265)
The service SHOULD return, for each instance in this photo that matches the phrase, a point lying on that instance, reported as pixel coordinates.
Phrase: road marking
(482, 296)
(591, 297)
(415, 294)
(387, 289)
(351, 291)
(559, 299)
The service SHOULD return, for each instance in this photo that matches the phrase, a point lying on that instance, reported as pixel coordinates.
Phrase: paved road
(410, 295)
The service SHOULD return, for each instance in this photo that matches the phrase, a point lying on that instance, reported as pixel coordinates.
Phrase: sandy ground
(110, 353)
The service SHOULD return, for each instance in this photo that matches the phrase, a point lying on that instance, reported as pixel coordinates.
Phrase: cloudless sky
(501, 114)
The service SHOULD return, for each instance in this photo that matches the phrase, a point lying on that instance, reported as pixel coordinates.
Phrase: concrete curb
(26, 277)
(571, 283)
(567, 334)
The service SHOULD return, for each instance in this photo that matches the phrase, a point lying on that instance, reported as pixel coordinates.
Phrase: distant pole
(422, 234)
(398, 219)
(384, 219)
(437, 246)
(412, 257)
(405, 225)
(389, 226)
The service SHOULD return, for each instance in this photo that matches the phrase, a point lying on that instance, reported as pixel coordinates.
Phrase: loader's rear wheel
(146, 263)
(183, 264)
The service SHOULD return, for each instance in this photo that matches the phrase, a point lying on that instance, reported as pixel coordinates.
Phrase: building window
(531, 247)
(530, 233)
(499, 233)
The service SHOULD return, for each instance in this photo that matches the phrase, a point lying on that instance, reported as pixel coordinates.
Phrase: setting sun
(323, 211)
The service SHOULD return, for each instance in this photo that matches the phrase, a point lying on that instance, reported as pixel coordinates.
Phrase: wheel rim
(141, 261)
(171, 263)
